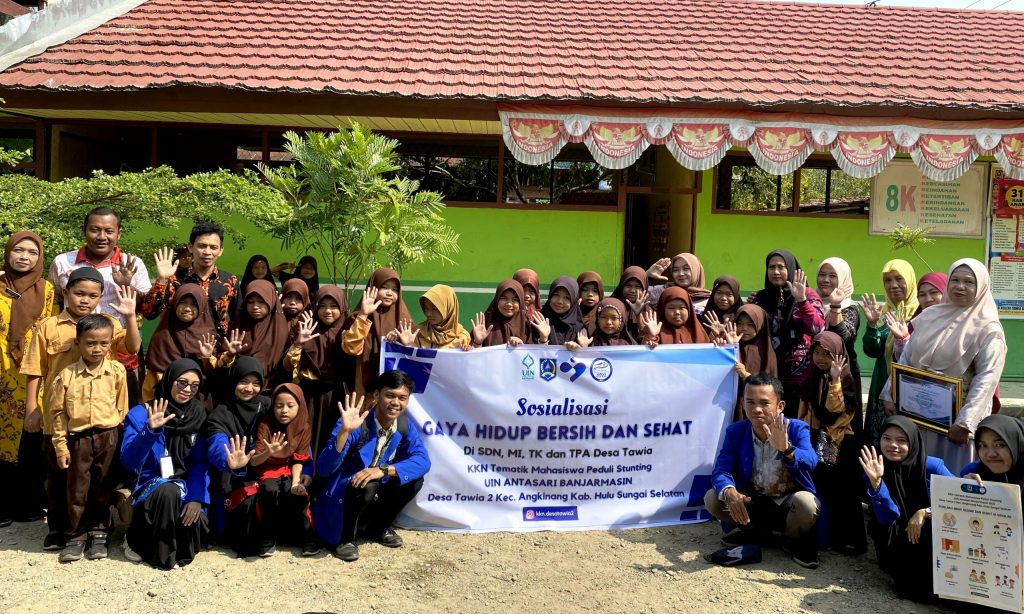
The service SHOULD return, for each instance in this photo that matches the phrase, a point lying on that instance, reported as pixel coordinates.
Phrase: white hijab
(844, 276)
(947, 338)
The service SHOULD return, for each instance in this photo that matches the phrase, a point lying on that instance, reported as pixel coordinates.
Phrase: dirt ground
(643, 570)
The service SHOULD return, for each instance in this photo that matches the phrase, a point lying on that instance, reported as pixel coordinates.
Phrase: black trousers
(283, 516)
(839, 488)
(157, 533)
(909, 565)
(241, 528)
(379, 502)
(27, 478)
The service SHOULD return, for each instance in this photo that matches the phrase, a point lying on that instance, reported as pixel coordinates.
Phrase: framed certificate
(929, 399)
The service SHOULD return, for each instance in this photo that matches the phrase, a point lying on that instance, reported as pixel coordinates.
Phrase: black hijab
(1011, 431)
(248, 276)
(778, 302)
(313, 283)
(234, 416)
(189, 417)
(565, 326)
(906, 480)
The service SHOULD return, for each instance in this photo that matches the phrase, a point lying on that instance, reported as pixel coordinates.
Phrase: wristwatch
(383, 467)
(789, 451)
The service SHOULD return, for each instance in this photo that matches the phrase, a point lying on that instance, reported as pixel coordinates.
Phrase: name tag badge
(166, 467)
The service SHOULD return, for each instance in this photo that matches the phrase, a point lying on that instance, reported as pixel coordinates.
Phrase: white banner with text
(541, 438)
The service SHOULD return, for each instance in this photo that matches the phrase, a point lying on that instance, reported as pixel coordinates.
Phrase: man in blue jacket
(374, 464)
(762, 476)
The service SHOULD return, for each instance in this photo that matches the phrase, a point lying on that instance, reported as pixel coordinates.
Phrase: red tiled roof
(625, 51)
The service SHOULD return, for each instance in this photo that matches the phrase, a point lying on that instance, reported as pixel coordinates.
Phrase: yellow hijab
(450, 331)
(904, 309)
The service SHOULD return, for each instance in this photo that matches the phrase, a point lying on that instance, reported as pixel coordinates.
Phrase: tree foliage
(903, 236)
(350, 205)
(154, 196)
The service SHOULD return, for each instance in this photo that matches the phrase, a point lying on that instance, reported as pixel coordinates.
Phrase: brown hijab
(298, 286)
(385, 319)
(503, 327)
(267, 338)
(590, 313)
(528, 277)
(757, 355)
(32, 288)
(297, 432)
(815, 387)
(174, 339)
(696, 289)
(322, 354)
(691, 331)
(622, 337)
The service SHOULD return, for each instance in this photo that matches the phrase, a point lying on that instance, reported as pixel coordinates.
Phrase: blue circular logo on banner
(601, 370)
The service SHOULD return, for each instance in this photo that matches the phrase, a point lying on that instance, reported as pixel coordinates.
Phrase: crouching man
(373, 464)
(762, 476)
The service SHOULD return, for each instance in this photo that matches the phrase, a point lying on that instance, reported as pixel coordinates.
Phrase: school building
(566, 135)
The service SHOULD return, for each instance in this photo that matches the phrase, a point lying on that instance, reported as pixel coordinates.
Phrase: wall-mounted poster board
(1005, 239)
(900, 194)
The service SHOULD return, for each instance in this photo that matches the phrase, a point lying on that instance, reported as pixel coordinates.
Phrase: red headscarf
(32, 288)
(938, 280)
(297, 432)
(691, 331)
(529, 278)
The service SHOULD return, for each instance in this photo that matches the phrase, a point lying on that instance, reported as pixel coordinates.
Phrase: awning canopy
(778, 142)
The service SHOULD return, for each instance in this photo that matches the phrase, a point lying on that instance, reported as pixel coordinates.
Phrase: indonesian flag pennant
(823, 137)
(658, 132)
(699, 147)
(616, 145)
(986, 142)
(943, 157)
(780, 150)
(576, 127)
(741, 132)
(534, 141)
(904, 139)
(1010, 154)
(863, 154)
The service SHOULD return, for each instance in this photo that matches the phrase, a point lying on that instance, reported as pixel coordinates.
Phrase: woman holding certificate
(960, 338)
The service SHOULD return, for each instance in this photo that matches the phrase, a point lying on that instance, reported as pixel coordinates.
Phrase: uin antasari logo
(549, 368)
(527, 372)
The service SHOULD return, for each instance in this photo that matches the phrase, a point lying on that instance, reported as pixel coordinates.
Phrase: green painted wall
(736, 244)
(495, 242)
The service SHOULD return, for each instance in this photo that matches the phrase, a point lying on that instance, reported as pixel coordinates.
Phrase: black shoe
(390, 539)
(72, 552)
(739, 537)
(53, 541)
(6, 522)
(808, 559)
(97, 549)
(311, 549)
(347, 552)
(268, 550)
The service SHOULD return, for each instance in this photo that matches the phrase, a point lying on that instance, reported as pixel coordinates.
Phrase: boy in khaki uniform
(53, 348)
(88, 401)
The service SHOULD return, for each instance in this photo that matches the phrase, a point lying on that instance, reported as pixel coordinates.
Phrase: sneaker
(54, 541)
(809, 561)
(97, 549)
(130, 554)
(347, 552)
(311, 549)
(390, 539)
(72, 552)
(268, 550)
(6, 522)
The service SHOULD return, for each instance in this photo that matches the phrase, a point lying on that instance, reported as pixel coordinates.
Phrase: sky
(1002, 5)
